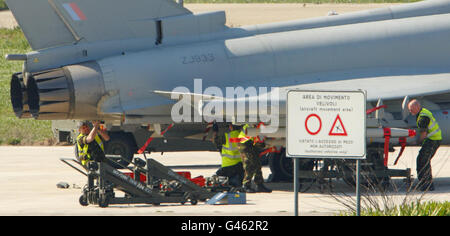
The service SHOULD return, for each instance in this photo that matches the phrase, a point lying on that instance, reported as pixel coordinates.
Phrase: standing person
(90, 144)
(430, 139)
(252, 164)
(231, 158)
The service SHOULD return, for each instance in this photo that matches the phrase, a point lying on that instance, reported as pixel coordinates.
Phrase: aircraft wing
(386, 87)
(192, 96)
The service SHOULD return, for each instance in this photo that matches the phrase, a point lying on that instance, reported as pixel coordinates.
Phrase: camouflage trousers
(426, 153)
(252, 164)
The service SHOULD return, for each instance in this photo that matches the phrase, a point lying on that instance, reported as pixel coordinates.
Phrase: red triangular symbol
(338, 128)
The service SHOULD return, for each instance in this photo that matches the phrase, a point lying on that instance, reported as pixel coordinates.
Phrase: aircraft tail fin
(49, 23)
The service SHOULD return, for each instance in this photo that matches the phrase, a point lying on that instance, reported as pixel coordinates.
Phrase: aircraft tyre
(281, 167)
(121, 144)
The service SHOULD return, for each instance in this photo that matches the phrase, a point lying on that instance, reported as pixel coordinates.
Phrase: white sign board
(326, 124)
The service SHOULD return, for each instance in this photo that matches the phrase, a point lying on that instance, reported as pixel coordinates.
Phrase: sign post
(326, 124)
(296, 185)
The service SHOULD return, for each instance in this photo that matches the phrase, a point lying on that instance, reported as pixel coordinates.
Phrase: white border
(320, 156)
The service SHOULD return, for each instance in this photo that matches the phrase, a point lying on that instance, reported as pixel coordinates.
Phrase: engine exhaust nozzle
(18, 94)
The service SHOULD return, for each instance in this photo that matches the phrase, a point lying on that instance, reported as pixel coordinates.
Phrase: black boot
(261, 188)
(248, 189)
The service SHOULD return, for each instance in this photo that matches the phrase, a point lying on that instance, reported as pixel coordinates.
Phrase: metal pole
(296, 186)
(358, 193)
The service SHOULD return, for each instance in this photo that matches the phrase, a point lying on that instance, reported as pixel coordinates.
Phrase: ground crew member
(430, 139)
(231, 158)
(252, 164)
(90, 145)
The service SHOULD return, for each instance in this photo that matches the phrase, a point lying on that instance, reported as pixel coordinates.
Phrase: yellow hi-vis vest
(230, 152)
(434, 132)
(243, 138)
(83, 153)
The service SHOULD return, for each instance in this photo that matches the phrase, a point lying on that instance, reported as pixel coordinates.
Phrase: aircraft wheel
(123, 145)
(281, 167)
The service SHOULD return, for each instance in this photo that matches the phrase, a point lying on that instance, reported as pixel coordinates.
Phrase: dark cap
(237, 127)
(83, 123)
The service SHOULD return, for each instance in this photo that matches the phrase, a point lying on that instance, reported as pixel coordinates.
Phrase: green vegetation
(14, 131)
(3, 5)
(411, 209)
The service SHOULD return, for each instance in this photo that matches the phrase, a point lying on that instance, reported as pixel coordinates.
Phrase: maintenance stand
(149, 182)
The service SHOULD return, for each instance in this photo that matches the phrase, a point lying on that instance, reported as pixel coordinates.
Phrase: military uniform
(231, 159)
(427, 122)
(252, 164)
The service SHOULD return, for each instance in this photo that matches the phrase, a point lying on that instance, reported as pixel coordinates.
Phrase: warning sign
(326, 124)
(337, 129)
(310, 125)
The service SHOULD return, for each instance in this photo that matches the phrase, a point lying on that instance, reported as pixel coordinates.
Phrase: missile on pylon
(373, 134)
(392, 132)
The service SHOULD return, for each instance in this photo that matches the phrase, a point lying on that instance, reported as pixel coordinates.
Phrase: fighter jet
(154, 62)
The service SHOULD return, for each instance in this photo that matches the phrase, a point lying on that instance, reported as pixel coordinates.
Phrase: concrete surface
(28, 178)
